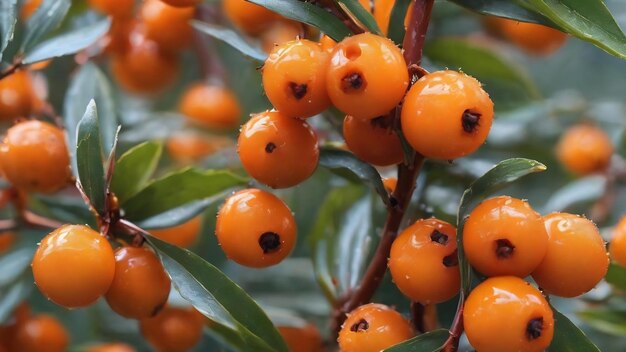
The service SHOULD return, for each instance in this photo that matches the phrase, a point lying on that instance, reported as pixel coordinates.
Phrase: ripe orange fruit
(255, 228)
(327, 43)
(111, 347)
(183, 235)
(373, 141)
(182, 3)
(211, 106)
(585, 149)
(248, 17)
(280, 32)
(173, 329)
(28, 8)
(508, 314)
(39, 331)
(73, 266)
(189, 146)
(532, 38)
(17, 94)
(446, 115)
(302, 339)
(166, 25)
(114, 8)
(7, 238)
(34, 157)
(390, 184)
(617, 247)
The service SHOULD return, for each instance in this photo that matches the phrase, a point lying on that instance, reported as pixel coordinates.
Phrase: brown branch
(413, 43)
(210, 65)
(32, 219)
(456, 330)
(16, 65)
(418, 311)
(7, 224)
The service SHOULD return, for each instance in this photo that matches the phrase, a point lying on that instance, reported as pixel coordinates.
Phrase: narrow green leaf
(89, 160)
(231, 38)
(361, 15)
(308, 13)
(507, 9)
(181, 214)
(177, 189)
(396, 29)
(13, 295)
(68, 43)
(71, 210)
(46, 18)
(584, 190)
(432, 341)
(568, 337)
(134, 169)
(14, 264)
(609, 321)
(8, 17)
(616, 276)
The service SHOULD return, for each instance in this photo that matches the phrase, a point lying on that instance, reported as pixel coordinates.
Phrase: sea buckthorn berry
(327, 43)
(280, 32)
(278, 150)
(114, 8)
(73, 266)
(505, 236)
(508, 314)
(117, 39)
(190, 146)
(617, 248)
(110, 347)
(585, 149)
(294, 78)
(140, 287)
(255, 228)
(34, 157)
(248, 17)
(373, 328)
(7, 238)
(367, 76)
(576, 259)
(532, 38)
(211, 106)
(135, 69)
(423, 262)
(182, 3)
(446, 115)
(39, 331)
(28, 8)
(16, 95)
(302, 339)
(166, 25)
(173, 330)
(390, 184)
(373, 141)
(183, 235)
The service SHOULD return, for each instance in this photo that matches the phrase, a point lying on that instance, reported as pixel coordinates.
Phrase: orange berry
(188, 146)
(373, 141)
(255, 228)
(34, 157)
(248, 17)
(16, 95)
(182, 3)
(211, 106)
(302, 339)
(114, 8)
(508, 314)
(183, 235)
(576, 259)
(423, 262)
(39, 331)
(73, 266)
(280, 32)
(367, 76)
(390, 184)
(327, 43)
(373, 328)
(140, 287)
(294, 78)
(111, 347)
(28, 8)
(617, 247)
(446, 115)
(173, 330)
(505, 236)
(532, 38)
(7, 238)
(278, 150)
(166, 25)
(382, 13)
(585, 149)
(117, 39)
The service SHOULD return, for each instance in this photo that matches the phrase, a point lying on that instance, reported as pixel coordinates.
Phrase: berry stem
(415, 36)
(210, 65)
(456, 330)
(16, 65)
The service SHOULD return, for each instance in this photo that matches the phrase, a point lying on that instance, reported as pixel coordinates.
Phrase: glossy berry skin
(211, 106)
(617, 248)
(73, 266)
(446, 115)
(585, 149)
(140, 287)
(182, 3)
(294, 78)
(302, 339)
(277, 150)
(367, 76)
(576, 259)
(166, 25)
(183, 235)
(506, 313)
(110, 347)
(505, 236)
(533, 38)
(38, 331)
(174, 329)
(16, 96)
(248, 17)
(423, 262)
(114, 8)
(34, 157)
(255, 228)
(373, 141)
(373, 328)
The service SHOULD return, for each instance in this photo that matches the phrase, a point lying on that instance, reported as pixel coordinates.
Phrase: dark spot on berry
(298, 90)
(353, 82)
(269, 242)
(534, 328)
(157, 309)
(269, 147)
(361, 325)
(439, 237)
(451, 259)
(504, 248)
(470, 121)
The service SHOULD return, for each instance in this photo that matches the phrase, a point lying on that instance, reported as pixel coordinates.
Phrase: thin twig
(16, 65)
(32, 219)
(456, 330)
(210, 65)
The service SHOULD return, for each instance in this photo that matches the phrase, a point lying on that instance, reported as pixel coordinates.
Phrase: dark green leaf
(71, 210)
(507, 85)
(179, 215)
(308, 13)
(396, 22)
(429, 342)
(68, 43)
(190, 185)
(134, 169)
(14, 264)
(12, 296)
(507, 9)
(584, 190)
(231, 38)
(616, 276)
(8, 12)
(347, 165)
(500, 176)
(568, 337)
(361, 15)
(217, 297)
(609, 321)
(89, 161)
(46, 18)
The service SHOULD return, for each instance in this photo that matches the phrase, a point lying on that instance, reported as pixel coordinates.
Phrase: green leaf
(46, 18)
(583, 190)
(609, 321)
(507, 9)
(134, 169)
(180, 215)
(68, 43)
(361, 15)
(189, 184)
(396, 29)
(500, 176)
(616, 276)
(308, 13)
(89, 161)
(217, 297)
(13, 295)
(231, 38)
(16, 281)
(71, 210)
(8, 12)
(14, 264)
(507, 85)
(345, 164)
(568, 337)
(432, 341)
